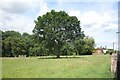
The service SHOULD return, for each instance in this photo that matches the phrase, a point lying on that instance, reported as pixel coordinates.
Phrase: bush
(110, 51)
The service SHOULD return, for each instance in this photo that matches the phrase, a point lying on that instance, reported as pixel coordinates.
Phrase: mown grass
(97, 66)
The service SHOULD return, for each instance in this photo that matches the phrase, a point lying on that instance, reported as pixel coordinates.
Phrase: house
(98, 51)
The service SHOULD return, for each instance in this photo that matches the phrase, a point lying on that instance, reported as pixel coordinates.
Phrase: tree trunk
(58, 54)
(74, 55)
(57, 50)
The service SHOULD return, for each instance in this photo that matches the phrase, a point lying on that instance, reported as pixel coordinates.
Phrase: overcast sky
(99, 19)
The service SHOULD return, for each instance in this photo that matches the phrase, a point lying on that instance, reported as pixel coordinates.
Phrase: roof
(98, 49)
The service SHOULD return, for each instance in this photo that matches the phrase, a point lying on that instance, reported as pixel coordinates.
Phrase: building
(100, 51)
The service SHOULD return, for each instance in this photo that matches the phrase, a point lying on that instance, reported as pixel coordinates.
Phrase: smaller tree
(37, 50)
(28, 42)
(67, 49)
(88, 47)
(31, 51)
(10, 41)
(79, 43)
(8, 47)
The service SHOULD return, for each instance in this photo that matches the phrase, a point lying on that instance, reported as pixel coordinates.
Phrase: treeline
(55, 33)
(15, 44)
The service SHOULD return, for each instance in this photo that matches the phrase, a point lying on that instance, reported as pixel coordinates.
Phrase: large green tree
(56, 28)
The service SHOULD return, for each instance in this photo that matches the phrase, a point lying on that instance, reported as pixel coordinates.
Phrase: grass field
(97, 66)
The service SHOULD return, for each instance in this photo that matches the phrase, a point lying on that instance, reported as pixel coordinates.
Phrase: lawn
(96, 66)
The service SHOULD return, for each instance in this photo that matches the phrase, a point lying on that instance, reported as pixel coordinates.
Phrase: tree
(79, 43)
(88, 47)
(7, 47)
(2, 49)
(54, 29)
(84, 46)
(37, 50)
(10, 34)
(28, 42)
(13, 44)
(68, 49)
(18, 47)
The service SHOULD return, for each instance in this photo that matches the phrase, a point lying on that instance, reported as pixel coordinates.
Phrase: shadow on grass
(60, 57)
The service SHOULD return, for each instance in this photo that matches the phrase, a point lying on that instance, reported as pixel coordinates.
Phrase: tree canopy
(55, 33)
(55, 29)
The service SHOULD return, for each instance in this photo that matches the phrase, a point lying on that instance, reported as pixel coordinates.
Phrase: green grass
(97, 66)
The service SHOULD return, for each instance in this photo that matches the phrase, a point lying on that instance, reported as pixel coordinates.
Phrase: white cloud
(43, 8)
(16, 16)
(105, 18)
(93, 20)
(90, 17)
(75, 13)
(20, 5)
(100, 26)
(19, 23)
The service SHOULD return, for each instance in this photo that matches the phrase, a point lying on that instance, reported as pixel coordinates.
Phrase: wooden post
(118, 54)
(118, 67)
(113, 63)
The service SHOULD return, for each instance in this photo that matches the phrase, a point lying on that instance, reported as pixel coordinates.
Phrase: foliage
(13, 44)
(88, 47)
(109, 51)
(54, 29)
(55, 33)
(67, 49)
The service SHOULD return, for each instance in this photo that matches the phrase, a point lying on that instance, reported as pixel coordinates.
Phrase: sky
(98, 18)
